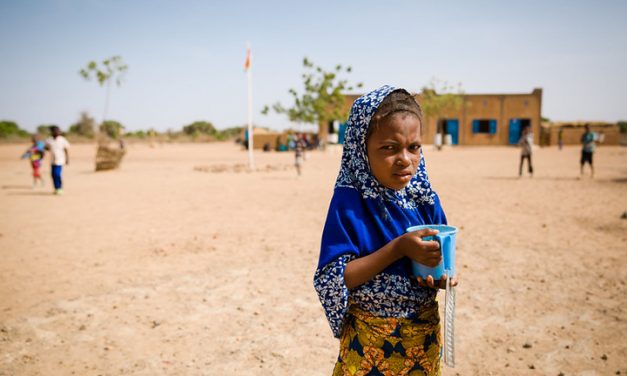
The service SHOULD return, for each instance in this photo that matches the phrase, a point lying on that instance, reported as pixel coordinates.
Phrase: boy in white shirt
(526, 149)
(58, 147)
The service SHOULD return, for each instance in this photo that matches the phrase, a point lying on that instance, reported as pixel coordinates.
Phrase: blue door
(514, 131)
(452, 128)
(341, 134)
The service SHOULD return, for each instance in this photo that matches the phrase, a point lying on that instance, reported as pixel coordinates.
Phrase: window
(484, 126)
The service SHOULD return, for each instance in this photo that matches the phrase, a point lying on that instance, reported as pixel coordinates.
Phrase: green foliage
(112, 128)
(322, 99)
(439, 97)
(44, 129)
(623, 126)
(107, 70)
(545, 119)
(11, 129)
(229, 133)
(198, 128)
(138, 134)
(84, 127)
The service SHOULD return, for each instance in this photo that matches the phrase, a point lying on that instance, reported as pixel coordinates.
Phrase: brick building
(482, 119)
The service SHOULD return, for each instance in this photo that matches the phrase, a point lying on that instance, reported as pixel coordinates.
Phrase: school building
(482, 119)
(570, 132)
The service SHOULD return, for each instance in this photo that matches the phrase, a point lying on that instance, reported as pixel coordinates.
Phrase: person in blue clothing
(58, 147)
(386, 319)
(588, 142)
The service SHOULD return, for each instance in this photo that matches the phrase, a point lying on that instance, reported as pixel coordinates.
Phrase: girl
(35, 154)
(387, 321)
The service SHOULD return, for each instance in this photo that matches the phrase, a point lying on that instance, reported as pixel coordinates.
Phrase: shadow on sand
(30, 193)
(558, 178)
(553, 178)
(17, 187)
(502, 178)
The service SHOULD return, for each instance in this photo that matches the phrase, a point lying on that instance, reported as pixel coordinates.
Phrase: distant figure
(299, 151)
(35, 153)
(560, 138)
(588, 141)
(58, 147)
(437, 141)
(526, 149)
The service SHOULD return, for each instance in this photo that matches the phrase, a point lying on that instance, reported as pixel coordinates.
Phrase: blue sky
(185, 57)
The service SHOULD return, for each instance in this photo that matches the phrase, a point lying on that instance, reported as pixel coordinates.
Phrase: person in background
(299, 152)
(526, 149)
(588, 142)
(58, 147)
(35, 153)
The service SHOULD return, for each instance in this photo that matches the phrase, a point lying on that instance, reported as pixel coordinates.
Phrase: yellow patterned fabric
(372, 345)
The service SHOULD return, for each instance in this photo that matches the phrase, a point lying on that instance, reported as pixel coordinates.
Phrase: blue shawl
(364, 216)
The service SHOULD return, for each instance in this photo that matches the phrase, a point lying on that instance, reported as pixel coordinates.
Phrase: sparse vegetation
(322, 99)
(84, 127)
(112, 128)
(10, 129)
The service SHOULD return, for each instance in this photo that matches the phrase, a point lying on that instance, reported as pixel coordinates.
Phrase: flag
(247, 61)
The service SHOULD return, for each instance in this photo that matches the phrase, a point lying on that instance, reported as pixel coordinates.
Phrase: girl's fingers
(442, 282)
(426, 232)
(430, 281)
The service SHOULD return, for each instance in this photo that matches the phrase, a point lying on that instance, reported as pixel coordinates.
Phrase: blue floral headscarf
(355, 169)
(363, 217)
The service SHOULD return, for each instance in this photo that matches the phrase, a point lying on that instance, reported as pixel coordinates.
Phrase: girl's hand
(430, 282)
(424, 252)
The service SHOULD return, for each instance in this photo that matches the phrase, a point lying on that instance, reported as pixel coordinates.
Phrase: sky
(186, 58)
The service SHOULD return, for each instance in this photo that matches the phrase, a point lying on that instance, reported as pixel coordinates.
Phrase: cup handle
(440, 239)
(445, 263)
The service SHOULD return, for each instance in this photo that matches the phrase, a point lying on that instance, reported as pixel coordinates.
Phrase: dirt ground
(181, 264)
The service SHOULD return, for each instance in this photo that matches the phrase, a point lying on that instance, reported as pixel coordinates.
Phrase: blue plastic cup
(446, 238)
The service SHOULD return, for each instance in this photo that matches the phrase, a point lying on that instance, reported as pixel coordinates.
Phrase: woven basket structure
(108, 158)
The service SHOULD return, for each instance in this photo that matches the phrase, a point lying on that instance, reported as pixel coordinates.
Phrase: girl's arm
(361, 270)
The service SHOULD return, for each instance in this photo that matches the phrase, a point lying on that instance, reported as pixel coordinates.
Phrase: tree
(199, 127)
(10, 128)
(438, 97)
(110, 69)
(112, 128)
(44, 129)
(322, 99)
(84, 127)
(622, 125)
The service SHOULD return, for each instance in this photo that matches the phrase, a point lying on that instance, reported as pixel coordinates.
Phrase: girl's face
(394, 150)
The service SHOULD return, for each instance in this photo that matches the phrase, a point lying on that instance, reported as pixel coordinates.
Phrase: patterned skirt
(372, 345)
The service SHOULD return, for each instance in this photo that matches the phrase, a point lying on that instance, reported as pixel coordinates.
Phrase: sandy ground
(161, 269)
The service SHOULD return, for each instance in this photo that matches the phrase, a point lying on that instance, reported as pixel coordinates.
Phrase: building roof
(576, 124)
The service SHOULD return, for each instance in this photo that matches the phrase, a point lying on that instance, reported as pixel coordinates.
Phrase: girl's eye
(414, 147)
(388, 147)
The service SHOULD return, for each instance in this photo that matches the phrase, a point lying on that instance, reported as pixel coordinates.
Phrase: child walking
(58, 147)
(299, 155)
(35, 153)
(387, 320)
(526, 150)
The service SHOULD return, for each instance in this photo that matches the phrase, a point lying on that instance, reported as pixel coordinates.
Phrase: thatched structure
(109, 157)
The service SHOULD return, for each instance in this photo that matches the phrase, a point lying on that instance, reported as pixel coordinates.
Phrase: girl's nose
(403, 159)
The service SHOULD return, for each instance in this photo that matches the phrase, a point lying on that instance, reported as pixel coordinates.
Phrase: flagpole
(249, 75)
